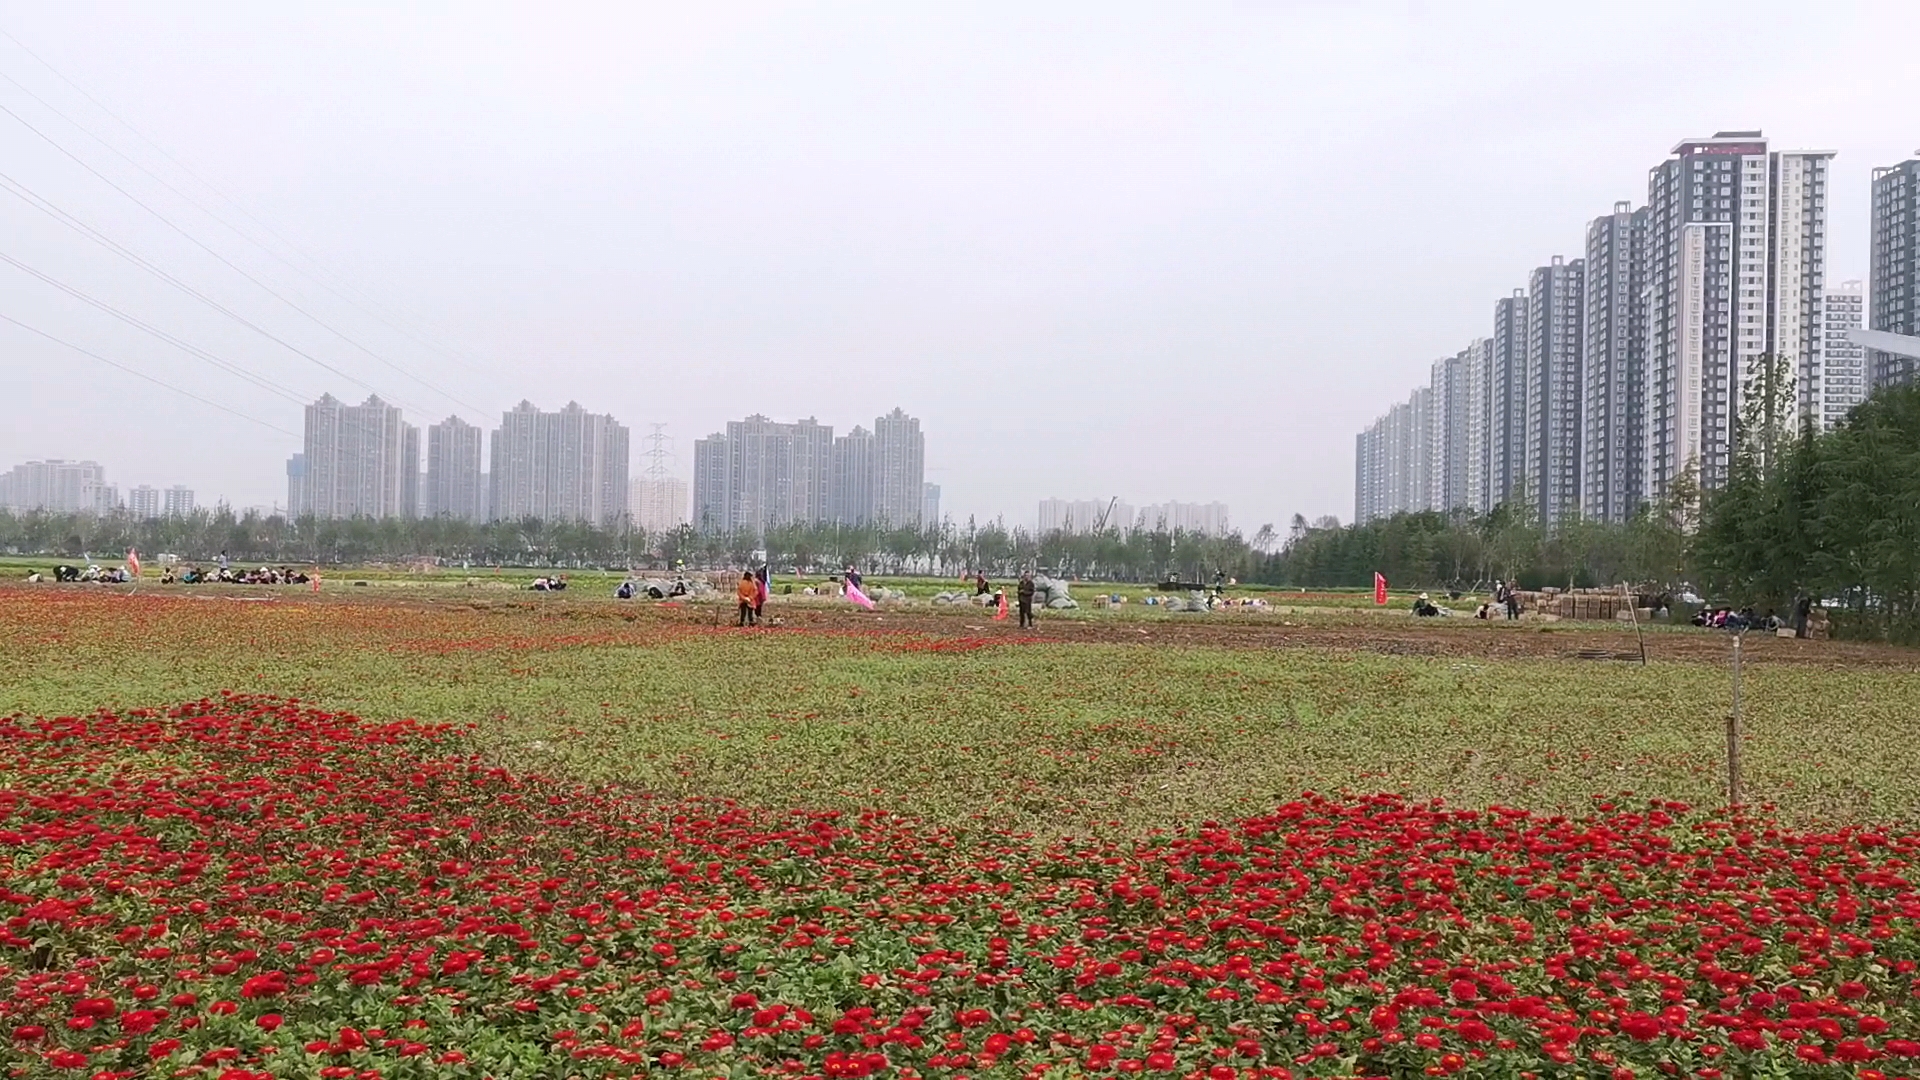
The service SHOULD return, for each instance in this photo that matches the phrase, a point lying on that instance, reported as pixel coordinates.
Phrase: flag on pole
(133, 561)
(1379, 587)
(854, 594)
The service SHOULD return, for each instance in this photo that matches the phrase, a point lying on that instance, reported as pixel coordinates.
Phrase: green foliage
(945, 550)
(1440, 550)
(1834, 516)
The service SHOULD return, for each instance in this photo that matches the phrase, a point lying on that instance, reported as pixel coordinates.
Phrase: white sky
(1154, 251)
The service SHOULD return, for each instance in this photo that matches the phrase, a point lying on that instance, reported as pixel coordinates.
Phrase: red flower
(67, 1059)
(1640, 1026)
(268, 1021)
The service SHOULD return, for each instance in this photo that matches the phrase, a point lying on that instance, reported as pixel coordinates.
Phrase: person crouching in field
(749, 594)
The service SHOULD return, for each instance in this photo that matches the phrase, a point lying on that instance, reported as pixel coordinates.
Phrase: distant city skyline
(1057, 235)
(1617, 373)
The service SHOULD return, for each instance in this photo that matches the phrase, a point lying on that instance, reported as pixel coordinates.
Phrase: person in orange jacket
(749, 594)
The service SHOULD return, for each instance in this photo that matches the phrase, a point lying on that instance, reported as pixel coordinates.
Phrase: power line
(191, 239)
(184, 346)
(177, 163)
(147, 377)
(41, 204)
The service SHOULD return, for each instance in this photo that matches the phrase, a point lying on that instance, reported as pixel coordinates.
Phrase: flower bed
(245, 887)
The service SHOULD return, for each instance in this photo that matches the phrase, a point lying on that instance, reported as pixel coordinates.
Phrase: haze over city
(1094, 251)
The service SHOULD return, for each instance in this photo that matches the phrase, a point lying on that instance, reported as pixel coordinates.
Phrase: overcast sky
(1148, 250)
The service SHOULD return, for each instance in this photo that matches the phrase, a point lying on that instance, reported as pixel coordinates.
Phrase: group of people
(266, 575)
(192, 575)
(1023, 593)
(1745, 619)
(1506, 599)
(556, 583)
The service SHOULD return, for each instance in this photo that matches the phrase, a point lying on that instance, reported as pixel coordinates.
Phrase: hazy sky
(1155, 251)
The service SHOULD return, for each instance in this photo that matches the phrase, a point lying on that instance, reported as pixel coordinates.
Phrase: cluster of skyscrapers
(81, 487)
(760, 474)
(1612, 375)
(365, 461)
(1097, 515)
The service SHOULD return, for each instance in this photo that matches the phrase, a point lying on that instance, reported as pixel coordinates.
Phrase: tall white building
(297, 486)
(1613, 350)
(569, 465)
(1844, 377)
(1087, 515)
(930, 506)
(453, 471)
(359, 460)
(1893, 304)
(1556, 312)
(659, 503)
(179, 501)
(60, 487)
(1736, 252)
(762, 474)
(1207, 519)
(143, 502)
(851, 496)
(1507, 399)
(899, 470)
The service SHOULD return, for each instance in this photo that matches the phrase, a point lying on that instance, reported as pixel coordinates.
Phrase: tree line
(946, 549)
(1828, 517)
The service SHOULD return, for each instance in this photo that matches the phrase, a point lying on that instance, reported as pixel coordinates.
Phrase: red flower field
(246, 887)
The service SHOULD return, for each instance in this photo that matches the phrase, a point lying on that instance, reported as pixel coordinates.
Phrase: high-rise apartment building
(359, 460)
(143, 502)
(1844, 377)
(569, 465)
(179, 501)
(297, 486)
(1507, 399)
(712, 485)
(1556, 311)
(1612, 442)
(1088, 516)
(1206, 519)
(930, 506)
(658, 503)
(1797, 274)
(1893, 305)
(1456, 397)
(60, 487)
(1393, 461)
(773, 474)
(1477, 365)
(1736, 252)
(453, 471)
(899, 470)
(852, 487)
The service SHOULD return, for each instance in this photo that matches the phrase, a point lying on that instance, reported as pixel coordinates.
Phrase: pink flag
(854, 594)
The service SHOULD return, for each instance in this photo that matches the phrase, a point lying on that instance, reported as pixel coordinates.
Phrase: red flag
(1001, 612)
(133, 561)
(1379, 587)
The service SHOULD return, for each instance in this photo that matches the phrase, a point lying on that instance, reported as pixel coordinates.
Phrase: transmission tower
(658, 455)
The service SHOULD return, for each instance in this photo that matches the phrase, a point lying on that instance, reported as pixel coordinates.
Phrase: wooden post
(1633, 610)
(1733, 732)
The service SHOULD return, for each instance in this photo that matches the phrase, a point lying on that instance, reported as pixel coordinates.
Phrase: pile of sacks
(1052, 593)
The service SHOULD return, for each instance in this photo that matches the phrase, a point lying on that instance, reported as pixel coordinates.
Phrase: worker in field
(1025, 596)
(749, 595)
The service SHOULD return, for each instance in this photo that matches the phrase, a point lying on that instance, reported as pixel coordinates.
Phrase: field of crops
(419, 836)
